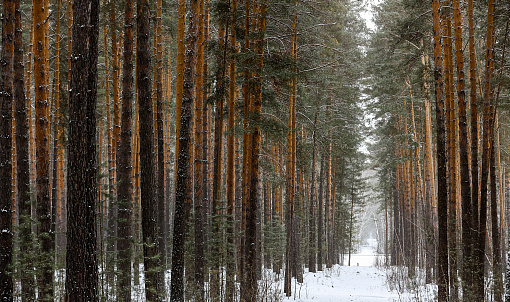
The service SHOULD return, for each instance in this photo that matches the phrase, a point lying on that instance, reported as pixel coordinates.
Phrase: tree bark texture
(45, 236)
(6, 101)
(125, 195)
(182, 192)
(442, 197)
(154, 285)
(81, 257)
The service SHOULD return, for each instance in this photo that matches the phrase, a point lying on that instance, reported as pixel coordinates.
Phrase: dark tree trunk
(154, 285)
(488, 125)
(442, 191)
(124, 164)
(396, 238)
(81, 257)
(250, 281)
(496, 246)
(161, 141)
(474, 141)
(231, 264)
(182, 193)
(217, 167)
(320, 218)
(351, 218)
(6, 99)
(465, 190)
(23, 169)
(249, 286)
(198, 164)
(312, 253)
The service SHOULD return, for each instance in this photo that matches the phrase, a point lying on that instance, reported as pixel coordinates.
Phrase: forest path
(364, 283)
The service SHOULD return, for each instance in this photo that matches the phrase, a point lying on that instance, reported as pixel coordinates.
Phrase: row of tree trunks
(454, 156)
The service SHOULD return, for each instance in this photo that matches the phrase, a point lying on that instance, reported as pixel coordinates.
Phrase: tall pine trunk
(231, 264)
(81, 257)
(160, 136)
(198, 162)
(154, 285)
(442, 201)
(320, 218)
(23, 175)
(45, 237)
(125, 185)
(182, 192)
(488, 124)
(6, 101)
(312, 252)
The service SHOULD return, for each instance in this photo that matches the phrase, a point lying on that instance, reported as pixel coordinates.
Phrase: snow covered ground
(360, 282)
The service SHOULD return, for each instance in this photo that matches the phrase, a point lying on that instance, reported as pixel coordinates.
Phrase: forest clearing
(254, 150)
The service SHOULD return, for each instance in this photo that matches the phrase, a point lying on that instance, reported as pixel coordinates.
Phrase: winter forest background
(234, 150)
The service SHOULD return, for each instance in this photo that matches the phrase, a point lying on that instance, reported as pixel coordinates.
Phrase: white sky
(367, 14)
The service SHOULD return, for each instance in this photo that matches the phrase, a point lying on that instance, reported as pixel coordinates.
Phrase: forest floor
(363, 281)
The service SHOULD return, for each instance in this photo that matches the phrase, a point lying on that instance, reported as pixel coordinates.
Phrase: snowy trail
(363, 283)
(346, 284)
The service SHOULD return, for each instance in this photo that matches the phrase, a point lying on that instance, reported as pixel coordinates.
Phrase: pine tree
(442, 282)
(125, 184)
(183, 192)
(154, 285)
(45, 236)
(6, 85)
(81, 257)
(23, 177)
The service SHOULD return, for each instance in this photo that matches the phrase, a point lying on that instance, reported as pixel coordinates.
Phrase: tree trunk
(6, 100)
(451, 149)
(312, 256)
(442, 201)
(124, 164)
(58, 149)
(291, 175)
(182, 193)
(471, 293)
(81, 258)
(46, 239)
(488, 124)
(23, 175)
(496, 247)
(467, 227)
(351, 225)
(181, 48)
(429, 175)
(161, 140)
(217, 167)
(320, 218)
(231, 264)
(198, 163)
(154, 286)
(249, 286)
